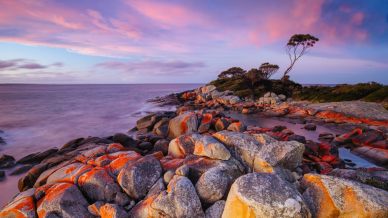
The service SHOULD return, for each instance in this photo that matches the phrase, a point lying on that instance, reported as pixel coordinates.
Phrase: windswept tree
(268, 69)
(296, 47)
(231, 73)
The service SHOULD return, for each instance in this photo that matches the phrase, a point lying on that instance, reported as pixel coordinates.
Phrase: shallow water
(260, 121)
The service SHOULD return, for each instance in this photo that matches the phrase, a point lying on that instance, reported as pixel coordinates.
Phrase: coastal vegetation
(255, 82)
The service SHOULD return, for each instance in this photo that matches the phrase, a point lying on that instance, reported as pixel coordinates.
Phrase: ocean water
(37, 117)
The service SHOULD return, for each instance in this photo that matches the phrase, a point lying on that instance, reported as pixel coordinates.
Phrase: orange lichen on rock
(340, 117)
(114, 147)
(325, 206)
(330, 196)
(171, 164)
(235, 208)
(20, 207)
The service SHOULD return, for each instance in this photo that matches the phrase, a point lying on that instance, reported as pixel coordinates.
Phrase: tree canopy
(268, 69)
(296, 47)
(232, 72)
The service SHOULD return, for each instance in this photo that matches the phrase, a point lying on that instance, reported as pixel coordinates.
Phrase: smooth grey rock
(215, 211)
(242, 146)
(180, 200)
(63, 200)
(98, 185)
(213, 185)
(137, 179)
(264, 195)
(156, 188)
(287, 154)
(209, 147)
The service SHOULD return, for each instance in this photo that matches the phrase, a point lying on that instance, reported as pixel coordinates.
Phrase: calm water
(36, 117)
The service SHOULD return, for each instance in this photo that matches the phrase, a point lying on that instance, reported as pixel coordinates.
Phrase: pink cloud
(152, 67)
(170, 14)
(357, 18)
(306, 17)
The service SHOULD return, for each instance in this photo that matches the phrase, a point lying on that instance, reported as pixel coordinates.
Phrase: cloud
(24, 64)
(150, 28)
(152, 67)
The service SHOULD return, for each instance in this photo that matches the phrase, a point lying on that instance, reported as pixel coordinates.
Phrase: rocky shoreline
(199, 162)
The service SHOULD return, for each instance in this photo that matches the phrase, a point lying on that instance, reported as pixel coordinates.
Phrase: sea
(34, 118)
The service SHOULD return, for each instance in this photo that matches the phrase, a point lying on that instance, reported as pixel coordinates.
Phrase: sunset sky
(141, 41)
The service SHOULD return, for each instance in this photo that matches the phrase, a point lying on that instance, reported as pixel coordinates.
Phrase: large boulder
(214, 184)
(242, 146)
(376, 178)
(28, 180)
(209, 147)
(6, 161)
(286, 154)
(98, 185)
(148, 121)
(181, 146)
(138, 178)
(37, 157)
(179, 200)
(69, 173)
(215, 211)
(23, 205)
(63, 200)
(207, 89)
(182, 124)
(329, 196)
(264, 195)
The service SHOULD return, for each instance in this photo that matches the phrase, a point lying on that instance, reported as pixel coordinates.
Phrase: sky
(182, 41)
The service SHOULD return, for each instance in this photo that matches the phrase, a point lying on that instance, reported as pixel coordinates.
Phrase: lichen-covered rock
(243, 147)
(378, 155)
(376, 178)
(23, 205)
(209, 147)
(182, 124)
(263, 138)
(28, 180)
(264, 195)
(221, 124)
(181, 146)
(215, 211)
(287, 154)
(161, 127)
(98, 185)
(112, 211)
(137, 179)
(156, 188)
(329, 196)
(122, 159)
(63, 200)
(148, 121)
(237, 127)
(207, 89)
(69, 173)
(213, 185)
(179, 200)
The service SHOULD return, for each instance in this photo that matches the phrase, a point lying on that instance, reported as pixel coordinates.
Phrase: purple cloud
(23, 64)
(152, 67)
